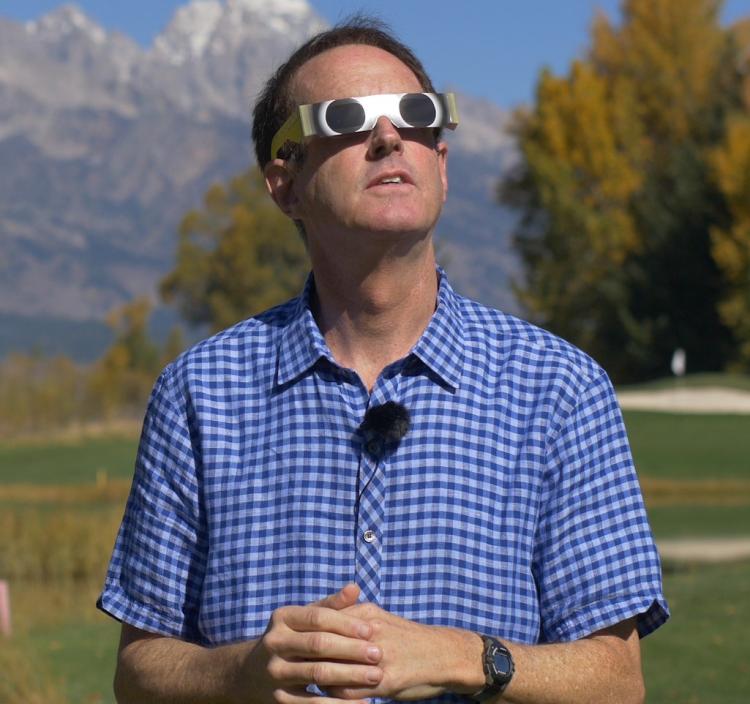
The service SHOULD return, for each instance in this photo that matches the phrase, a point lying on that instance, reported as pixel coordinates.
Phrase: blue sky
(488, 48)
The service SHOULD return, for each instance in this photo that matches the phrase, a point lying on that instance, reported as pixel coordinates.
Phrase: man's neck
(373, 316)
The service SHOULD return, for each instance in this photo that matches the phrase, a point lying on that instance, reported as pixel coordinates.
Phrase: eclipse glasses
(349, 115)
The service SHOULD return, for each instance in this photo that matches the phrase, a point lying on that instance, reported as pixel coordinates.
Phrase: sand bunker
(710, 399)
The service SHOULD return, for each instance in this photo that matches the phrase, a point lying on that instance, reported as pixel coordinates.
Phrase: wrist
(244, 671)
(461, 662)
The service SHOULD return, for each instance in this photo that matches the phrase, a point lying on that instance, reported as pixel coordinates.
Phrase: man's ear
(279, 182)
(442, 151)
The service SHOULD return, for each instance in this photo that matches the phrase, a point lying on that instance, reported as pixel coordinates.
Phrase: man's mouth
(391, 179)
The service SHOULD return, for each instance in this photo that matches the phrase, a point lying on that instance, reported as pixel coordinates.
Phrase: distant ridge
(109, 144)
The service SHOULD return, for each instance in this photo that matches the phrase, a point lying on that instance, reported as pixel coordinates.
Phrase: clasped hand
(350, 651)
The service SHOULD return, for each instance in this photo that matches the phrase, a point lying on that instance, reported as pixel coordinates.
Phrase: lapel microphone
(384, 425)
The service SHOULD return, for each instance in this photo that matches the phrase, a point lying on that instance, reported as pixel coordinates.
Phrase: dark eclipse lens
(345, 116)
(417, 110)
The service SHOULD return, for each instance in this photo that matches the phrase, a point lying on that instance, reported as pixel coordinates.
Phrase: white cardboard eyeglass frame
(309, 120)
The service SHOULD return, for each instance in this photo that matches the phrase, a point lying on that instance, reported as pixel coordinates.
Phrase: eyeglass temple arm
(298, 126)
(451, 110)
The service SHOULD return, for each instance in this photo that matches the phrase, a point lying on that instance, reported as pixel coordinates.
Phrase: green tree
(617, 191)
(236, 256)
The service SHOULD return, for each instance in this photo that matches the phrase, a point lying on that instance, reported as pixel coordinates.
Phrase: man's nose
(384, 139)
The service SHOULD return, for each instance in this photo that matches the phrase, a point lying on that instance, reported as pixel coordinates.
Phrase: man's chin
(396, 233)
(394, 225)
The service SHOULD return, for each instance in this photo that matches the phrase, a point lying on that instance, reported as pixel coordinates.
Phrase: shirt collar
(440, 348)
(302, 343)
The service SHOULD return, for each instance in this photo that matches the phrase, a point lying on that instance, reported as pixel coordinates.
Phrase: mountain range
(106, 144)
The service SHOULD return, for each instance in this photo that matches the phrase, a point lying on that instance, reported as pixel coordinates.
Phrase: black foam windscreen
(384, 425)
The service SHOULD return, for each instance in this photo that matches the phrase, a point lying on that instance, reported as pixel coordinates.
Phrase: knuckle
(343, 693)
(313, 618)
(272, 641)
(318, 643)
(276, 667)
(319, 673)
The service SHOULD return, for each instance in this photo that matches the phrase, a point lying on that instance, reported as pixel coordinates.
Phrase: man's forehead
(351, 70)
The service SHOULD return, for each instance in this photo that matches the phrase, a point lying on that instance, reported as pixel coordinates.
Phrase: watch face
(502, 663)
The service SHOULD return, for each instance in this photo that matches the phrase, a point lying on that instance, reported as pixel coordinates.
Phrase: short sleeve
(157, 566)
(595, 560)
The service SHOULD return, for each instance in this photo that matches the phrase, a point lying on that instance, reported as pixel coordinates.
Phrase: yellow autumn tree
(617, 194)
(581, 168)
(121, 380)
(731, 244)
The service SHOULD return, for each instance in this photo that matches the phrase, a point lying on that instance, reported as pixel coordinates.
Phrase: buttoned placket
(370, 506)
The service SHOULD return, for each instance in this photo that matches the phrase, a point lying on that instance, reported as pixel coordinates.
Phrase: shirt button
(369, 536)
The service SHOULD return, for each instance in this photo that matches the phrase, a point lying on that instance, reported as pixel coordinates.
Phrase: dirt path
(705, 549)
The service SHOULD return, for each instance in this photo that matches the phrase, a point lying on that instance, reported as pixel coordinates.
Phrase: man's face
(339, 187)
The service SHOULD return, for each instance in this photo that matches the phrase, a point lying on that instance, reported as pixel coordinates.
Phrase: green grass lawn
(694, 381)
(69, 640)
(686, 446)
(67, 462)
(81, 656)
(699, 521)
(701, 656)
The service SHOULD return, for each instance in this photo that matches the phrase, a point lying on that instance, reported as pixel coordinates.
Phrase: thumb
(343, 598)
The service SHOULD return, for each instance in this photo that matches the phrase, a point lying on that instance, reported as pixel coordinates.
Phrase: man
(275, 547)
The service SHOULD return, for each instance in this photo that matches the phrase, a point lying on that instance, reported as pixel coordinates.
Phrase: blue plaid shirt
(511, 507)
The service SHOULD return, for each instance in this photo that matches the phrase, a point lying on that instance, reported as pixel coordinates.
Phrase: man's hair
(275, 103)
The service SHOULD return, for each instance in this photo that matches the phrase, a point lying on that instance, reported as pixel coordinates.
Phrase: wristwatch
(498, 669)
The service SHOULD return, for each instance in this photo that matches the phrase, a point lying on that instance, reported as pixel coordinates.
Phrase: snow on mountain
(213, 56)
(280, 7)
(289, 18)
(62, 62)
(65, 21)
(189, 32)
(212, 26)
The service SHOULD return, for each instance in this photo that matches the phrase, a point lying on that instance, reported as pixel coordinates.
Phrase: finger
(300, 695)
(346, 596)
(319, 645)
(315, 618)
(328, 674)
(352, 693)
